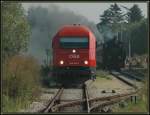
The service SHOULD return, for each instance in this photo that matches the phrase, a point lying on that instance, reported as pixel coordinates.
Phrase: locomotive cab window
(74, 42)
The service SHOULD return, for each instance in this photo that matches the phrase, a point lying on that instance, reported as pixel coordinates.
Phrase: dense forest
(131, 27)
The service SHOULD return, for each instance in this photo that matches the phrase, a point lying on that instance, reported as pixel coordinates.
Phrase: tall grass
(20, 82)
(142, 101)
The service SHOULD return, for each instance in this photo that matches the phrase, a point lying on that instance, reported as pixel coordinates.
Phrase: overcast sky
(91, 10)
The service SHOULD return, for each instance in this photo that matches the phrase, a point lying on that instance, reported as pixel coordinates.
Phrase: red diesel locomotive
(74, 52)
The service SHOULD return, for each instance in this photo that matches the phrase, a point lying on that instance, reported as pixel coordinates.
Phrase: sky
(91, 10)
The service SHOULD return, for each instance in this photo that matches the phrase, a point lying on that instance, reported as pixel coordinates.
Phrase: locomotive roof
(74, 30)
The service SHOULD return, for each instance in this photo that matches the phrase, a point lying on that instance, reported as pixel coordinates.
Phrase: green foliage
(142, 102)
(140, 106)
(15, 29)
(103, 74)
(136, 24)
(13, 105)
(105, 17)
(112, 17)
(134, 14)
(138, 39)
(116, 17)
(113, 21)
(20, 80)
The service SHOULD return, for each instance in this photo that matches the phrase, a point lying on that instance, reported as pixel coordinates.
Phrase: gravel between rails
(99, 85)
(46, 95)
(95, 89)
(136, 83)
(72, 94)
(102, 87)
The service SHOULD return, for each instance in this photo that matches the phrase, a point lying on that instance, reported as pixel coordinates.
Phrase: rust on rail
(108, 99)
(53, 101)
(111, 97)
(105, 103)
(86, 96)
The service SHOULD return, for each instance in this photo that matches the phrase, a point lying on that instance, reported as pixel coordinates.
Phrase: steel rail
(69, 100)
(86, 98)
(106, 103)
(112, 97)
(131, 75)
(124, 80)
(107, 98)
(53, 101)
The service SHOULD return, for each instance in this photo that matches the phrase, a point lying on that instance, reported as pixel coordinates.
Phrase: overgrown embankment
(20, 82)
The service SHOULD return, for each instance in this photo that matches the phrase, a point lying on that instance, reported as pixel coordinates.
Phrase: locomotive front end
(72, 52)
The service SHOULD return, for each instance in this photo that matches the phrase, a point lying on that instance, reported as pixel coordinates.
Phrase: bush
(20, 79)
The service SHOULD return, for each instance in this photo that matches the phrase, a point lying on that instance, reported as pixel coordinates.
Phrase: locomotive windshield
(74, 42)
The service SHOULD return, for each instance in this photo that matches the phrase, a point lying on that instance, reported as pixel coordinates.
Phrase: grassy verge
(142, 102)
(103, 75)
(14, 105)
(20, 83)
(140, 106)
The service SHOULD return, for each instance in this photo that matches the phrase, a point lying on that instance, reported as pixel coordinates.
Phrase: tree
(140, 38)
(111, 21)
(134, 14)
(116, 17)
(106, 17)
(136, 24)
(15, 29)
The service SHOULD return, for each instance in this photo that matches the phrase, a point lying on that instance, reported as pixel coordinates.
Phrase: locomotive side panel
(92, 51)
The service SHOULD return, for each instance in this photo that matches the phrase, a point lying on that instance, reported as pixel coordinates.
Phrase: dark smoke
(106, 32)
(45, 22)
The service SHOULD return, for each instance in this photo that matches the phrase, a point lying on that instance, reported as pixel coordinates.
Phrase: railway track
(55, 100)
(124, 79)
(86, 103)
(130, 79)
(131, 76)
(134, 75)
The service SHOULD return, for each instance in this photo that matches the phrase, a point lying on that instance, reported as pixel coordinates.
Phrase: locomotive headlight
(73, 51)
(61, 62)
(86, 62)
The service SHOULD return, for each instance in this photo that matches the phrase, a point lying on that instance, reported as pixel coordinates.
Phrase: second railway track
(83, 102)
(128, 79)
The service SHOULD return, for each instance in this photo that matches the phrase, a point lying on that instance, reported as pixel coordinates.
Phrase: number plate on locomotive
(74, 56)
